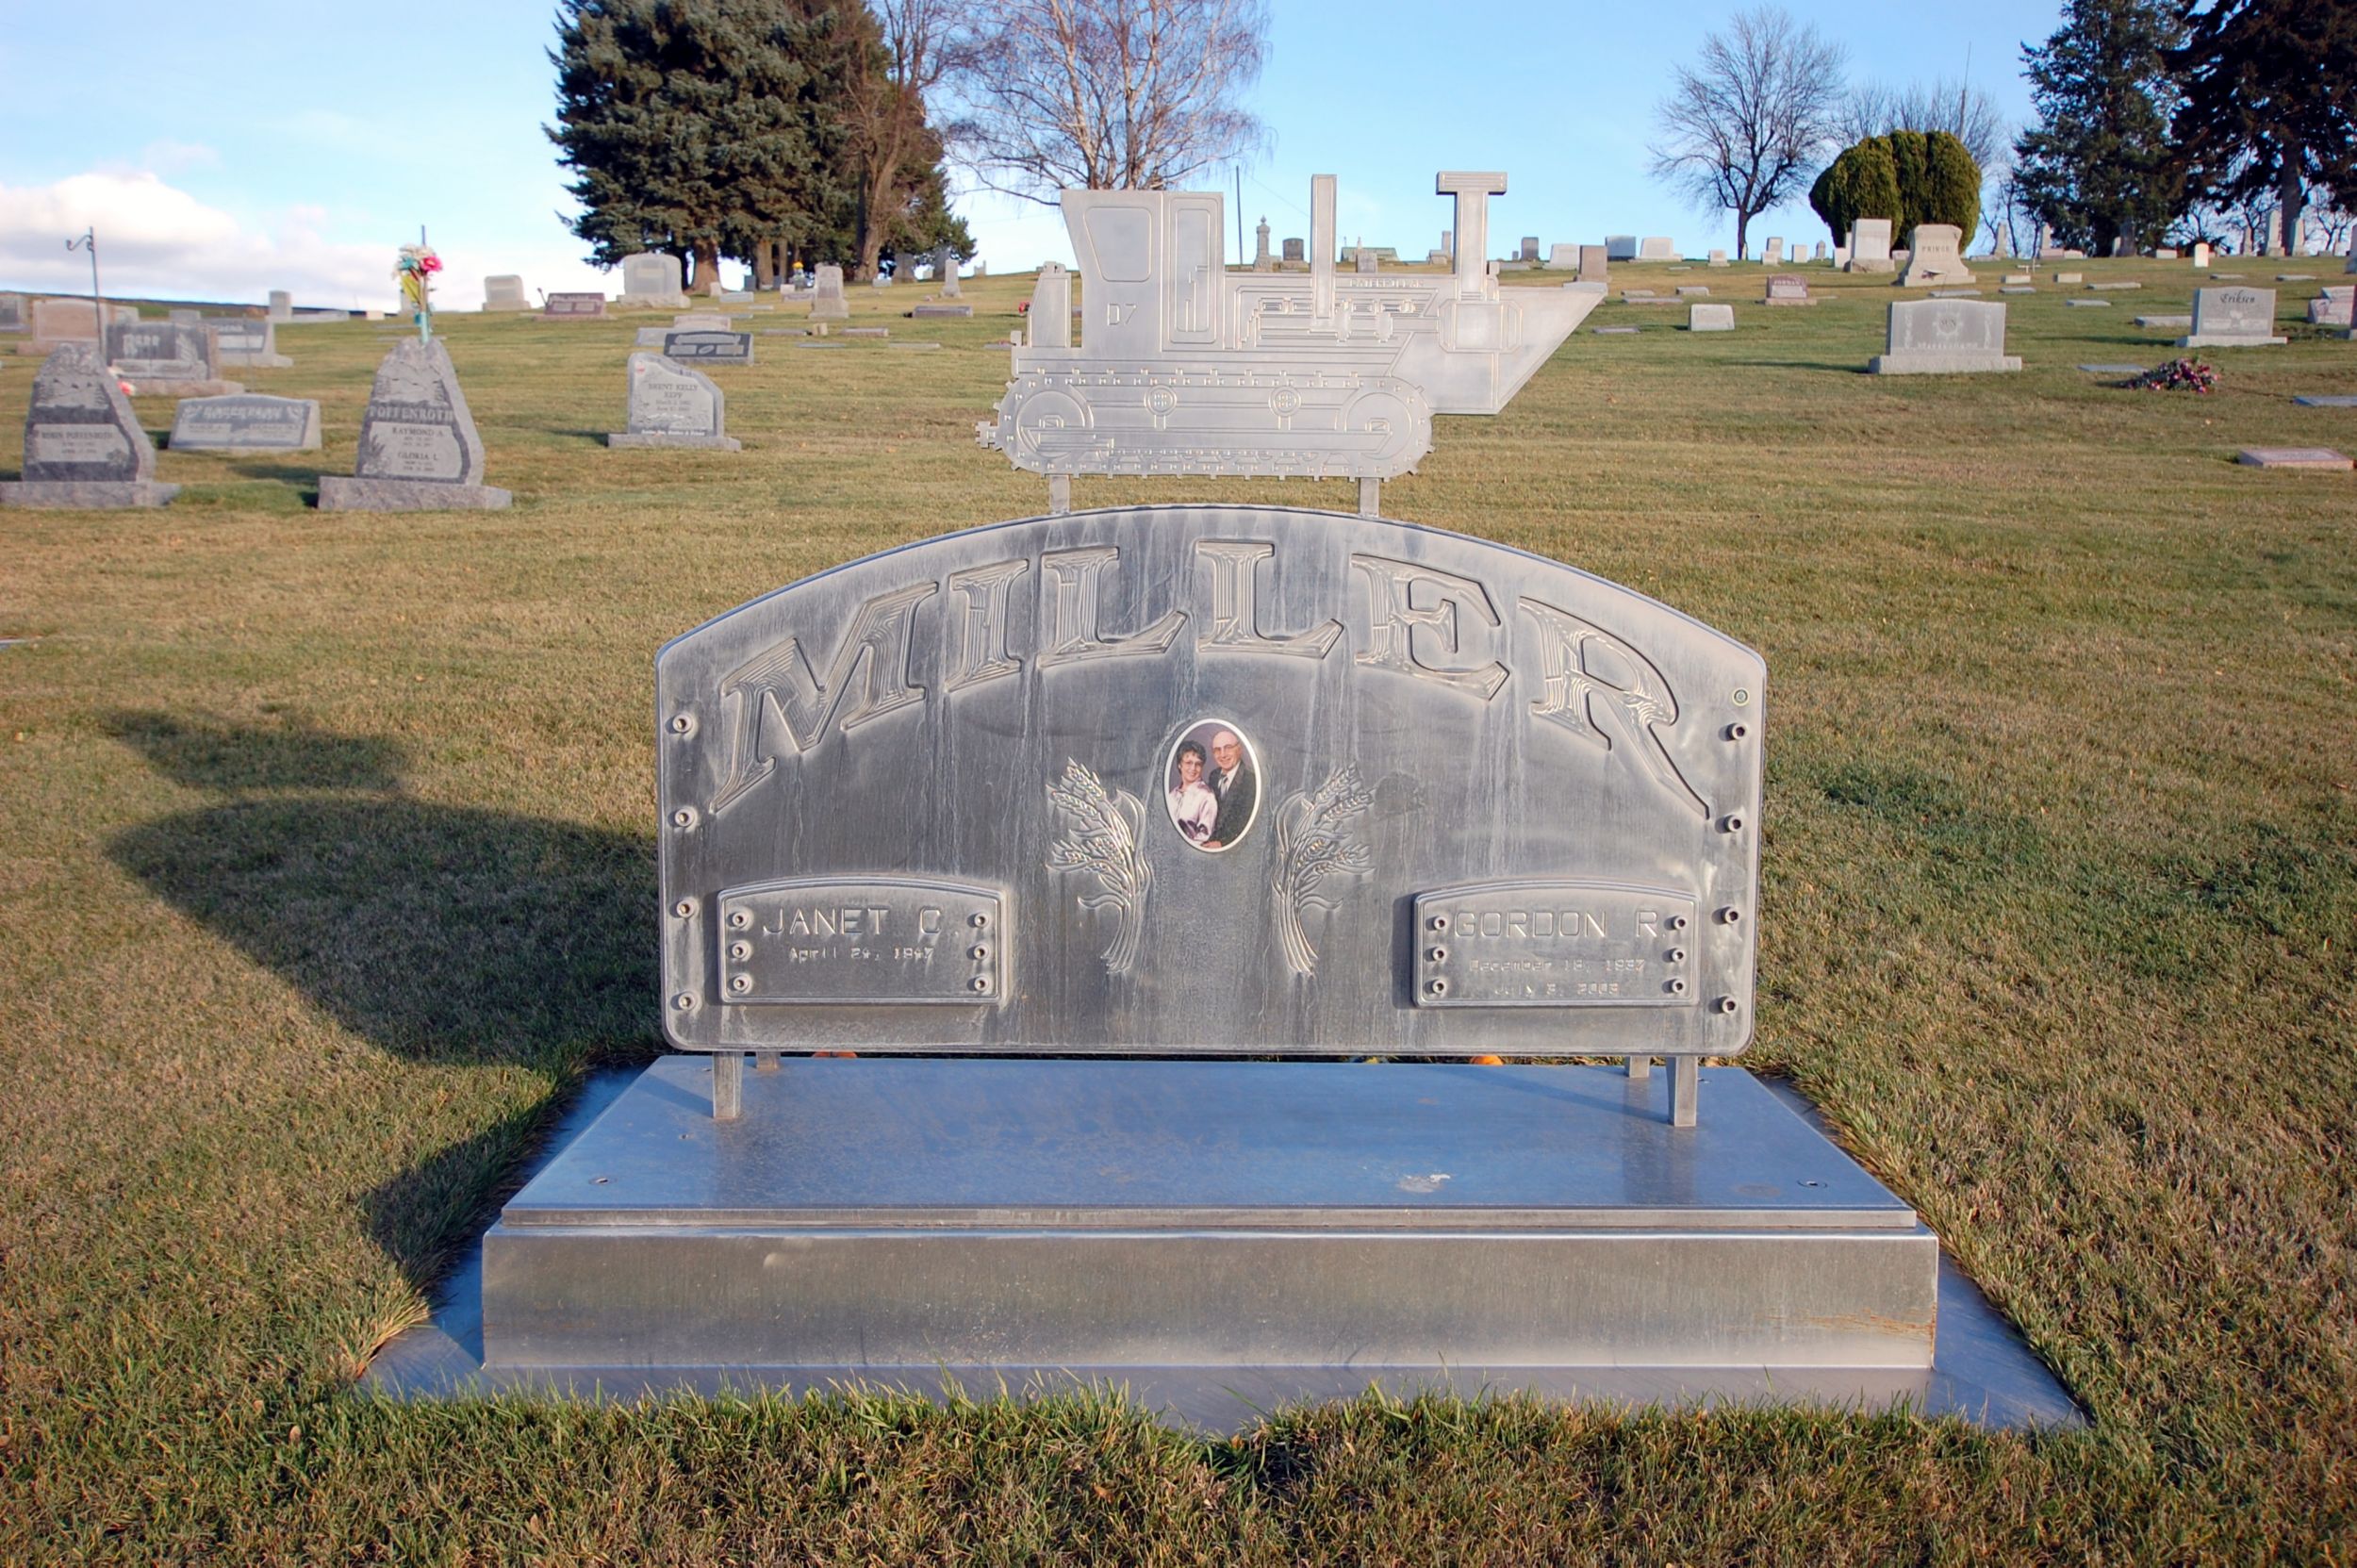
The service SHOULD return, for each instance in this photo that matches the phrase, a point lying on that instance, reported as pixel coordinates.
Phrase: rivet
(1438, 955)
(1737, 732)
(683, 908)
(1677, 955)
(979, 921)
(1677, 922)
(978, 951)
(684, 818)
(1440, 922)
(1439, 987)
(980, 984)
(739, 919)
(682, 1001)
(1730, 915)
(1725, 1004)
(1678, 987)
(742, 982)
(682, 724)
(1733, 824)
(1739, 697)
(740, 950)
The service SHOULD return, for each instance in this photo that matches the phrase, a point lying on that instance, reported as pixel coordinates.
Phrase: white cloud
(158, 241)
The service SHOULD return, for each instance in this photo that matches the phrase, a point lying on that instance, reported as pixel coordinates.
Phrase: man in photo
(1237, 789)
(1193, 805)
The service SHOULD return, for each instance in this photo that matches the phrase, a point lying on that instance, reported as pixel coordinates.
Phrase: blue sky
(224, 151)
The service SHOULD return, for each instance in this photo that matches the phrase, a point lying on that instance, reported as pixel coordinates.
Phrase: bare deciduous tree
(921, 41)
(1743, 128)
(1106, 95)
(1967, 113)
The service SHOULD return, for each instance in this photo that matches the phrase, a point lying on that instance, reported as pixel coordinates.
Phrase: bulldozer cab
(1153, 273)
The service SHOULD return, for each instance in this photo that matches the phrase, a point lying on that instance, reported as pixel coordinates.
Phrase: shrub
(1909, 178)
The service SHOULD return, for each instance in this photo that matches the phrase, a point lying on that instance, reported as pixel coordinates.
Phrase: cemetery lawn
(327, 871)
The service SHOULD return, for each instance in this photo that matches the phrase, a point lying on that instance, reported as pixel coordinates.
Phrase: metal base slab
(890, 1213)
(1979, 1370)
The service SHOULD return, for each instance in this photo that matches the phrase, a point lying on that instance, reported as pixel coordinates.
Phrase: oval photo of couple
(1212, 784)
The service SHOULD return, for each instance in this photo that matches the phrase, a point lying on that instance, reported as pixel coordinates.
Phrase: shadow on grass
(443, 934)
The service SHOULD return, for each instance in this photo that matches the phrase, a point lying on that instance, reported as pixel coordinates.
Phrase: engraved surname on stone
(1070, 583)
(1393, 617)
(1634, 698)
(982, 594)
(773, 700)
(76, 443)
(1235, 623)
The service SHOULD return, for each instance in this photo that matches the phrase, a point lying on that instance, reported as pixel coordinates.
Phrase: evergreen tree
(700, 127)
(2098, 165)
(2270, 102)
(1910, 177)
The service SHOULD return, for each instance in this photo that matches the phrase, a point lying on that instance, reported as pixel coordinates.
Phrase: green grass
(326, 866)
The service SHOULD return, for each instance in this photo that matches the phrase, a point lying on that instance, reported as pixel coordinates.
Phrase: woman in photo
(1193, 805)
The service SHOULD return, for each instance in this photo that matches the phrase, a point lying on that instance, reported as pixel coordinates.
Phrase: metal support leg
(1685, 1082)
(728, 1085)
(1641, 1067)
(1059, 494)
(766, 1061)
(1369, 498)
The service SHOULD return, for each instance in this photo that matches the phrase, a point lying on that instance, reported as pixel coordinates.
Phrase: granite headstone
(576, 306)
(827, 301)
(1869, 246)
(247, 342)
(1944, 338)
(419, 449)
(83, 447)
(504, 291)
(707, 347)
(1935, 257)
(671, 405)
(2231, 318)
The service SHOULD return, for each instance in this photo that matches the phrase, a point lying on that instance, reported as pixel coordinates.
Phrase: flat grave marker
(2321, 460)
(709, 348)
(246, 422)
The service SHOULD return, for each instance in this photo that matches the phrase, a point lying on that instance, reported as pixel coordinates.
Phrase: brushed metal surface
(913, 1212)
(878, 1143)
(1003, 708)
(1184, 367)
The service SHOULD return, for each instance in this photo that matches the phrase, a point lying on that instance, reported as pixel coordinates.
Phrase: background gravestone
(945, 273)
(13, 317)
(826, 303)
(504, 291)
(2234, 316)
(281, 305)
(246, 422)
(1659, 248)
(708, 347)
(419, 449)
(83, 446)
(1295, 253)
(1944, 338)
(671, 405)
(575, 306)
(1789, 289)
(248, 342)
(165, 356)
(1594, 264)
(1869, 246)
(652, 277)
(1935, 255)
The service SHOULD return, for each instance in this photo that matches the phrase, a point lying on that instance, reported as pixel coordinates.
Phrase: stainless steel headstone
(1209, 779)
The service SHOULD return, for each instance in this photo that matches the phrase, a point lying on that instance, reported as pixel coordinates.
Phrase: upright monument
(1060, 828)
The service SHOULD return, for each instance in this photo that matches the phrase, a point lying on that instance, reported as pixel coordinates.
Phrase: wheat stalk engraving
(1311, 847)
(1101, 837)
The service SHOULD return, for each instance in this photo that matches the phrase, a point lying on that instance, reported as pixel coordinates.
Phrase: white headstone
(2202, 255)
(504, 291)
(652, 277)
(1710, 318)
(1773, 254)
(281, 305)
(1657, 248)
(1944, 338)
(1869, 246)
(1934, 257)
(2231, 318)
(827, 301)
(1562, 258)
